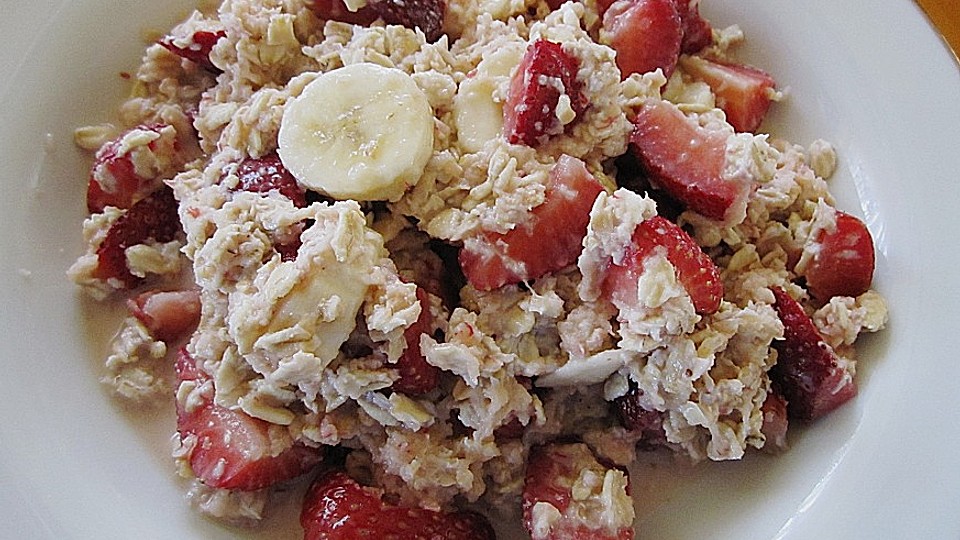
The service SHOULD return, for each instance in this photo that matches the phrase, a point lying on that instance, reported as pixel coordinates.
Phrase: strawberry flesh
(336, 506)
(844, 263)
(266, 174)
(775, 421)
(153, 218)
(545, 73)
(113, 178)
(808, 373)
(198, 51)
(697, 32)
(687, 161)
(168, 315)
(743, 92)
(694, 268)
(234, 450)
(549, 240)
(417, 376)
(646, 34)
(426, 15)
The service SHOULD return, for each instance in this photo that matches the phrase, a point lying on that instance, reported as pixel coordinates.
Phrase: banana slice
(477, 109)
(362, 132)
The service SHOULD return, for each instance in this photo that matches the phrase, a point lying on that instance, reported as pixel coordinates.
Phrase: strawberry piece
(427, 15)
(266, 174)
(549, 240)
(775, 421)
(545, 73)
(844, 262)
(234, 450)
(153, 218)
(646, 34)
(336, 506)
(416, 375)
(687, 161)
(336, 10)
(694, 268)
(697, 32)
(169, 315)
(198, 50)
(808, 372)
(743, 92)
(113, 178)
(552, 471)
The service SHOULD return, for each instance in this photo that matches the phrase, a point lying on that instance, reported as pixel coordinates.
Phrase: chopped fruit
(233, 450)
(545, 74)
(169, 315)
(646, 34)
(416, 375)
(153, 218)
(336, 506)
(427, 15)
(743, 92)
(808, 373)
(697, 32)
(844, 262)
(775, 422)
(114, 179)
(694, 268)
(687, 161)
(268, 174)
(568, 494)
(549, 240)
(198, 50)
(647, 423)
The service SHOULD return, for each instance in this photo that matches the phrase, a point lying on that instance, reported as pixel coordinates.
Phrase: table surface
(945, 14)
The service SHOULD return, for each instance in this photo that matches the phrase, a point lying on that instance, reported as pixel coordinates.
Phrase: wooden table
(945, 14)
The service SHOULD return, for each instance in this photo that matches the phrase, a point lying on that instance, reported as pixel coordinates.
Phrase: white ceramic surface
(872, 77)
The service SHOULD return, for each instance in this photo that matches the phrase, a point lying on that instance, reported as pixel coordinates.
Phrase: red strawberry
(549, 240)
(687, 161)
(169, 316)
(808, 373)
(697, 32)
(427, 15)
(336, 10)
(234, 450)
(198, 50)
(336, 506)
(416, 375)
(775, 421)
(844, 261)
(545, 73)
(152, 218)
(646, 34)
(694, 269)
(113, 178)
(552, 471)
(743, 92)
(266, 174)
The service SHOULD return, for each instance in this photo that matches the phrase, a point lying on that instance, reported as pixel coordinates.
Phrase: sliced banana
(478, 105)
(362, 132)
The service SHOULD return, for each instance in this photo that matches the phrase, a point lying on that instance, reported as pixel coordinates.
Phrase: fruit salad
(425, 262)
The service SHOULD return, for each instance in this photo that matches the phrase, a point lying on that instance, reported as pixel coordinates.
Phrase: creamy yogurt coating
(309, 341)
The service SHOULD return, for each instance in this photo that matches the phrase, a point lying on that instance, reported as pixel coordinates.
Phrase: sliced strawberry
(775, 421)
(646, 34)
(844, 261)
(694, 268)
(552, 471)
(113, 178)
(266, 174)
(197, 50)
(234, 450)
(427, 15)
(153, 218)
(687, 161)
(697, 32)
(336, 506)
(808, 372)
(743, 92)
(549, 240)
(169, 315)
(545, 73)
(416, 375)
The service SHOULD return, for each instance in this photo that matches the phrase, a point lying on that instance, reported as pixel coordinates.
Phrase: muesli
(448, 255)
